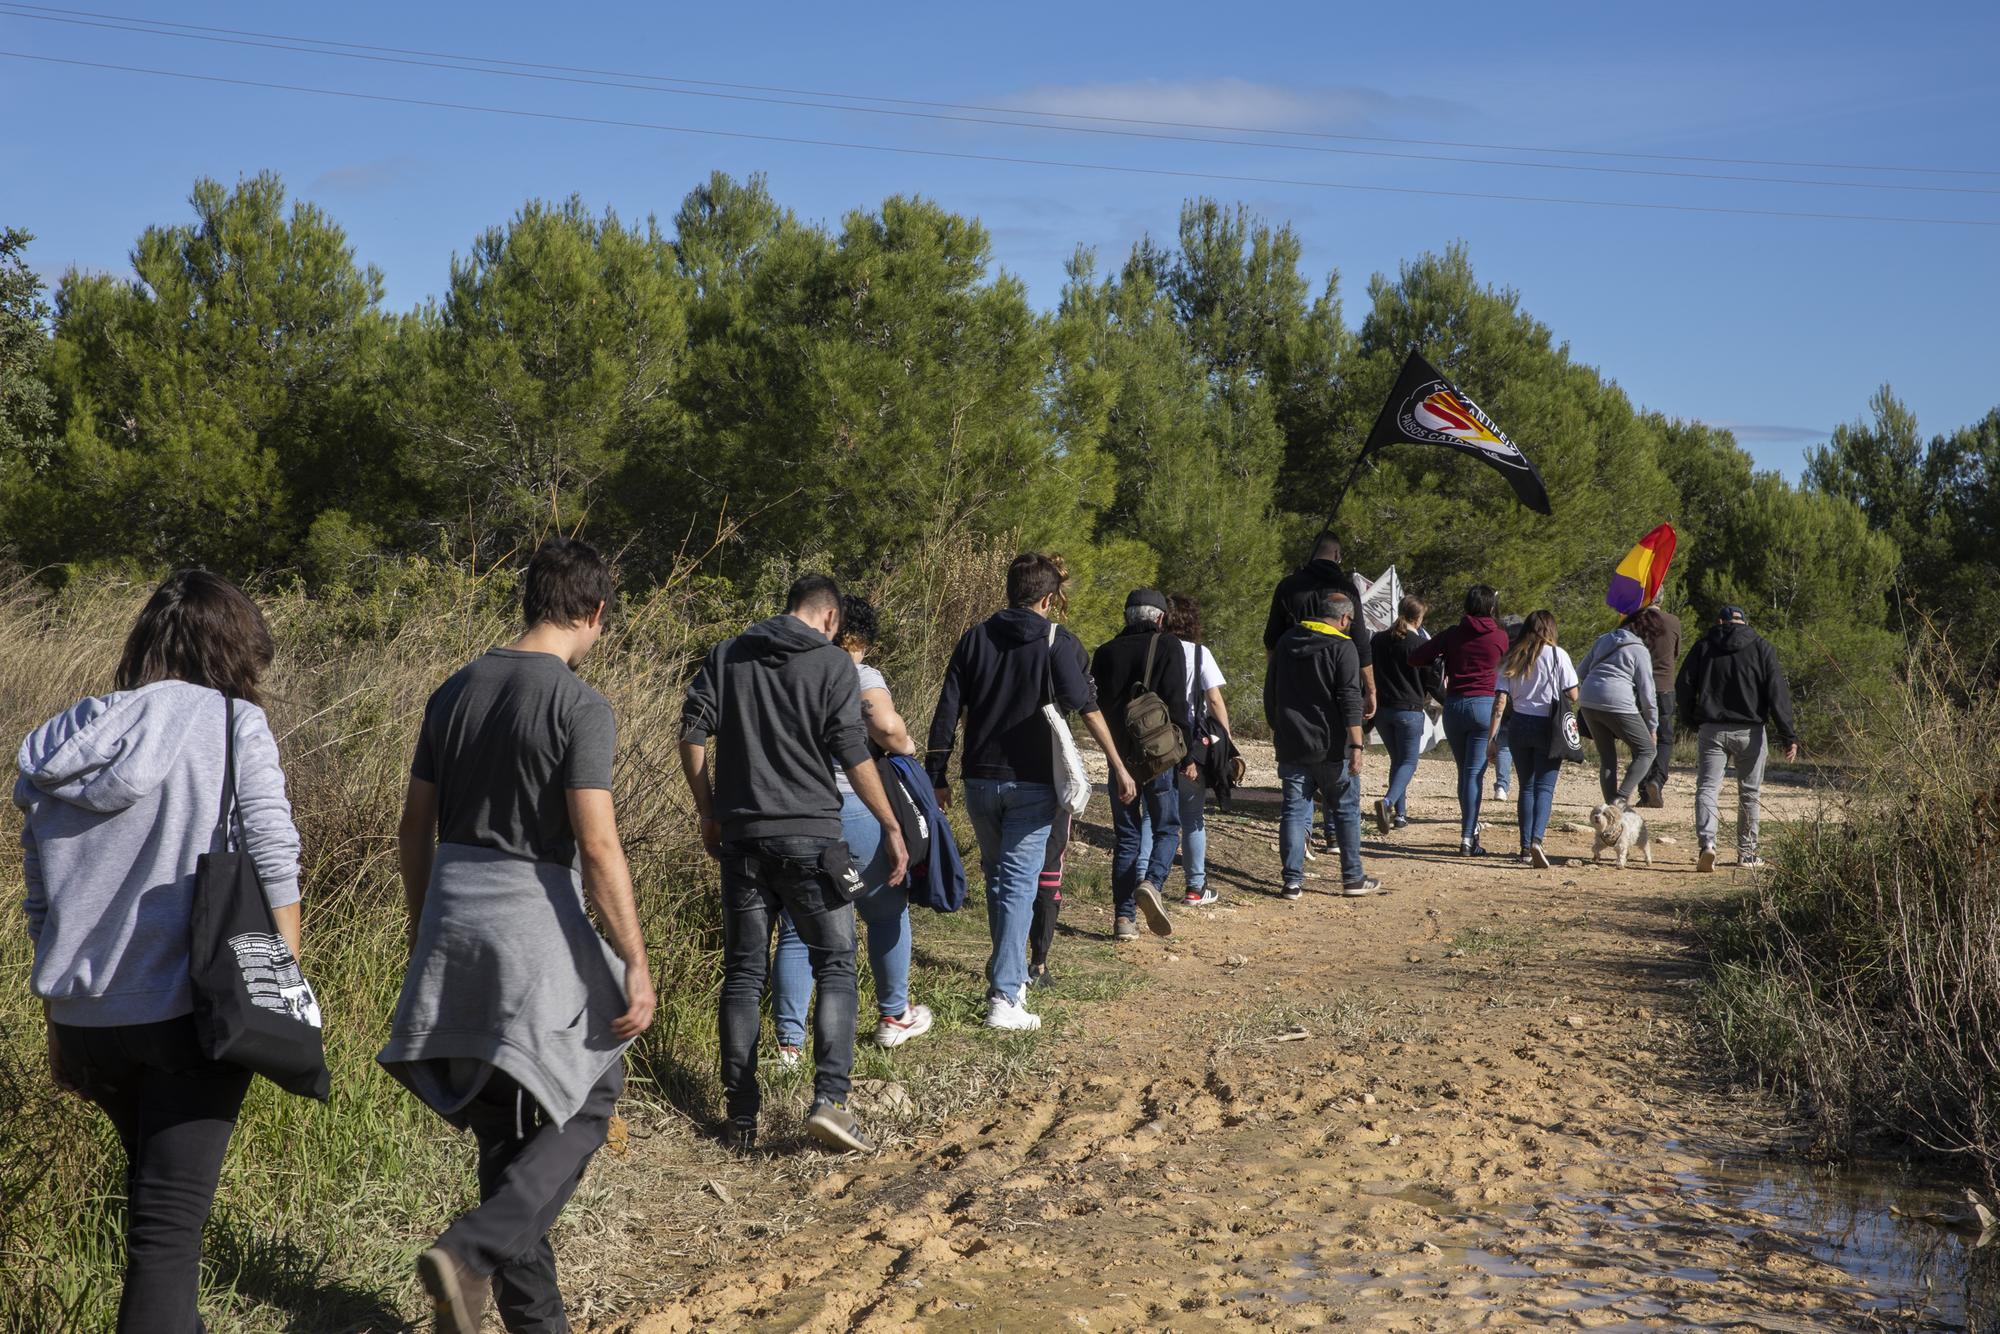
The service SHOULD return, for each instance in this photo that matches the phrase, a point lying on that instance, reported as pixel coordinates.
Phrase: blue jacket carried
(939, 882)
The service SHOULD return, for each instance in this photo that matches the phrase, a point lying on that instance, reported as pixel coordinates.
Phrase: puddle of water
(1631, 1251)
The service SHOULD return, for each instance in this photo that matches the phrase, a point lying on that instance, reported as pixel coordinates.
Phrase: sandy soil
(1467, 1101)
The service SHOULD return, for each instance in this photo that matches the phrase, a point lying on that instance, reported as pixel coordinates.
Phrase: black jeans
(528, 1169)
(1663, 757)
(760, 876)
(174, 1111)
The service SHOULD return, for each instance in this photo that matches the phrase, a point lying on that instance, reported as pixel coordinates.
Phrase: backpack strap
(1145, 681)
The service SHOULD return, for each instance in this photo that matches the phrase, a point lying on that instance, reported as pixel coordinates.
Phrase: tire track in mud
(1365, 1124)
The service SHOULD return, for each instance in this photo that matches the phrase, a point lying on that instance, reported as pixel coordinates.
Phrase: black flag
(1427, 409)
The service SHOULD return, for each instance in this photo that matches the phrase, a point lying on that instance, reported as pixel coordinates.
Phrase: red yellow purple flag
(1637, 580)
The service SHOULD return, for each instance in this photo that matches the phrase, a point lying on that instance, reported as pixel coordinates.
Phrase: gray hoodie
(1617, 677)
(121, 794)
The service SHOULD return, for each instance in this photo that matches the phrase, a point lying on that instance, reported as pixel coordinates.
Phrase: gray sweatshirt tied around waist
(121, 794)
(509, 974)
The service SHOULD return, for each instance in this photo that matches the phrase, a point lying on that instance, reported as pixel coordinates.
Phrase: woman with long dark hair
(1471, 653)
(121, 794)
(1405, 694)
(1535, 673)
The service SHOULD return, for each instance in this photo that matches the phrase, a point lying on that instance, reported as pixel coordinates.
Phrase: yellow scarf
(1322, 628)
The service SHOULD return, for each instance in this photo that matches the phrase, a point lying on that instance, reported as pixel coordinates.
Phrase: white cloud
(1769, 433)
(1230, 102)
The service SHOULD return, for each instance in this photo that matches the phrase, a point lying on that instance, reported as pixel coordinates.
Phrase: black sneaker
(1383, 822)
(834, 1126)
(740, 1136)
(1360, 889)
(1292, 892)
(1040, 976)
(458, 1295)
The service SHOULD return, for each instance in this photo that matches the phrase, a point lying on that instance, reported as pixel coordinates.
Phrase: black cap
(1147, 597)
(1732, 612)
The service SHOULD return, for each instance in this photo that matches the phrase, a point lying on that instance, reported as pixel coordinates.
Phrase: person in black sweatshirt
(783, 704)
(1144, 657)
(1001, 674)
(1298, 593)
(1312, 699)
(1407, 695)
(1729, 687)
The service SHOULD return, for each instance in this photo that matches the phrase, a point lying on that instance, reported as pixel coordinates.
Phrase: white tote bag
(1072, 783)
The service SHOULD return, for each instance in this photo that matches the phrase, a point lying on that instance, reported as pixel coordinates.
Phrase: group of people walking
(528, 976)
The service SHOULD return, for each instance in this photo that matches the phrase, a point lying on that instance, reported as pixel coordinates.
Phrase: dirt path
(1460, 1103)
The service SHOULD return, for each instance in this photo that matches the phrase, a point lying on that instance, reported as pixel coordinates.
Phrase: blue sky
(1779, 327)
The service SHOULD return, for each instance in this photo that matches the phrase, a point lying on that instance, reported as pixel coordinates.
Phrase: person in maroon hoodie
(1471, 652)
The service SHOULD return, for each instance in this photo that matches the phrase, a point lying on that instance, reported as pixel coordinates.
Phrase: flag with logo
(1427, 409)
(1636, 581)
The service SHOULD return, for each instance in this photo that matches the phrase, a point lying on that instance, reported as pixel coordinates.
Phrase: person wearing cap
(1731, 688)
(1144, 657)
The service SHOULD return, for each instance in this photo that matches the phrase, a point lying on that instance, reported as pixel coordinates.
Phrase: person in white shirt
(1205, 682)
(1535, 673)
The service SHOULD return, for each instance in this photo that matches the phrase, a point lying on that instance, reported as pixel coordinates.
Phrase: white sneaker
(1005, 1014)
(916, 1022)
(788, 1057)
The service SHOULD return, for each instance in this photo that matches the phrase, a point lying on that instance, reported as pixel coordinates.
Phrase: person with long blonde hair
(1536, 672)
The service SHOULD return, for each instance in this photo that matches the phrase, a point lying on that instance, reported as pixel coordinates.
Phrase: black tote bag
(1565, 732)
(253, 1008)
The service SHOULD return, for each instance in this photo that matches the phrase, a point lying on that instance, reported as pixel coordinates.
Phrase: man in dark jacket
(784, 706)
(1120, 669)
(1660, 631)
(1298, 593)
(1730, 686)
(1312, 699)
(1001, 673)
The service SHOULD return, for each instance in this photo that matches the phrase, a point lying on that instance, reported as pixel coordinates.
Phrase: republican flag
(1637, 580)
(1426, 409)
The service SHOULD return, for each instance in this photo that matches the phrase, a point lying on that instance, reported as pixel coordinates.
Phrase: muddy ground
(1469, 1101)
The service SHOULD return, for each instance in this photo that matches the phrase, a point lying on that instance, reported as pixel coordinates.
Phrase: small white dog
(1621, 829)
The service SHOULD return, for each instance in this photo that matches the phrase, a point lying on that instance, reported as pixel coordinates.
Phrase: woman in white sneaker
(1205, 682)
(884, 908)
(1535, 672)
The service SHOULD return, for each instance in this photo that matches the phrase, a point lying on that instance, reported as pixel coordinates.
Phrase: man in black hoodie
(784, 706)
(1296, 596)
(1001, 674)
(1144, 657)
(1312, 699)
(1730, 686)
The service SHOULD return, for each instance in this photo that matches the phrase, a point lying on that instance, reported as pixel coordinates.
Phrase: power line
(1176, 173)
(156, 24)
(9, 10)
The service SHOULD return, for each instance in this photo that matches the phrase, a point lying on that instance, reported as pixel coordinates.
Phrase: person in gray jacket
(515, 1013)
(1617, 702)
(120, 794)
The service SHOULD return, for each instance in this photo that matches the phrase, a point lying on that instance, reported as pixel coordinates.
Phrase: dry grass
(1862, 976)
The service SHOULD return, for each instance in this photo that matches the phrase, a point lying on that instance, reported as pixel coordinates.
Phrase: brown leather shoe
(458, 1296)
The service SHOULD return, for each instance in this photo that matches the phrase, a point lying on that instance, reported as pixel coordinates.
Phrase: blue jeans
(760, 878)
(1502, 755)
(1144, 836)
(1193, 804)
(1012, 822)
(1341, 793)
(1529, 735)
(884, 909)
(1466, 720)
(1402, 733)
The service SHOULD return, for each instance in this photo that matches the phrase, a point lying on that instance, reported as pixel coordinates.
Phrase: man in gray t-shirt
(506, 740)
(515, 1012)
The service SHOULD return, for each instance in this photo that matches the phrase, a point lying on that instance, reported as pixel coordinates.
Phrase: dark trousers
(1048, 894)
(760, 877)
(174, 1111)
(1664, 756)
(528, 1169)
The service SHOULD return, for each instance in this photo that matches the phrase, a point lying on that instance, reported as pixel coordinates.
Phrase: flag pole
(1341, 495)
